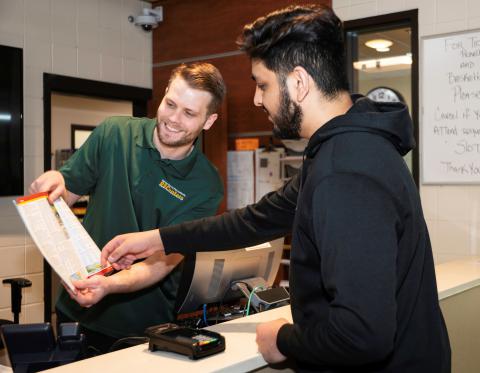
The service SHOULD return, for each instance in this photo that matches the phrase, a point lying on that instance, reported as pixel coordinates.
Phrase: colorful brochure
(60, 237)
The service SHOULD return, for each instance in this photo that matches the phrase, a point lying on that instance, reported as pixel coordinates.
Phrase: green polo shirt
(133, 189)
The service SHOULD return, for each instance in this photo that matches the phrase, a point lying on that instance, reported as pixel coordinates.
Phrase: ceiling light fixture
(388, 63)
(380, 45)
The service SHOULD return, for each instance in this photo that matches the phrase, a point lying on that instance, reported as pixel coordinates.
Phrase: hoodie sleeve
(272, 217)
(355, 223)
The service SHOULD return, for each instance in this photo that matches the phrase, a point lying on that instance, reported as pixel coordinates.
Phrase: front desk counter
(459, 296)
(240, 355)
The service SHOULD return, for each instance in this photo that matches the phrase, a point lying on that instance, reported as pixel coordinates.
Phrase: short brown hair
(205, 77)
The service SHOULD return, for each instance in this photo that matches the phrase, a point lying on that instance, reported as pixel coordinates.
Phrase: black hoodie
(362, 279)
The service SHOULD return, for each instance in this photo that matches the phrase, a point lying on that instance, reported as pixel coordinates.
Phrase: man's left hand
(267, 340)
(90, 291)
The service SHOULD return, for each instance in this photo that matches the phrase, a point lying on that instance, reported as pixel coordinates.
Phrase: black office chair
(17, 285)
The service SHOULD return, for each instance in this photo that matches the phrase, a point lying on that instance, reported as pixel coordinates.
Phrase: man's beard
(185, 140)
(288, 122)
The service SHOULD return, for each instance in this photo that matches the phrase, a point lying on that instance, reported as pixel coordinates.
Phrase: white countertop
(240, 355)
(457, 276)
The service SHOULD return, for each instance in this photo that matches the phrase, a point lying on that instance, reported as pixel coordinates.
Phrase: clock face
(384, 94)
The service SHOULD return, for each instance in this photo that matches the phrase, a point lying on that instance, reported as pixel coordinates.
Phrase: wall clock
(385, 94)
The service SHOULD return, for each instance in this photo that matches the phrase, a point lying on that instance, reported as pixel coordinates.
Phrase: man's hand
(123, 250)
(50, 181)
(53, 183)
(90, 291)
(267, 340)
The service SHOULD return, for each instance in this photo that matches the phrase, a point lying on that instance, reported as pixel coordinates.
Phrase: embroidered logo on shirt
(172, 190)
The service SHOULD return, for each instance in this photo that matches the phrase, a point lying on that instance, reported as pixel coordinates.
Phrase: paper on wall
(240, 175)
(267, 171)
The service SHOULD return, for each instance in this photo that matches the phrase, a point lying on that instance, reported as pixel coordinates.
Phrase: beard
(287, 123)
(186, 139)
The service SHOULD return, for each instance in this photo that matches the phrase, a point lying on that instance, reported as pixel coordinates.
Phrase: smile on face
(183, 114)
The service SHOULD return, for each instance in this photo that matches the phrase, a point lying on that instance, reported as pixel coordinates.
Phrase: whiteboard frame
(421, 107)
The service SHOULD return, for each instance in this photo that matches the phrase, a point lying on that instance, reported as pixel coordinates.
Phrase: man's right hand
(52, 182)
(123, 250)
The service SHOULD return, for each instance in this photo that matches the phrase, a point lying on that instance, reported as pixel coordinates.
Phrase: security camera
(149, 18)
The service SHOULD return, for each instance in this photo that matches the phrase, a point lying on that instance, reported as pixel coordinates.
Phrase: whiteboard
(450, 80)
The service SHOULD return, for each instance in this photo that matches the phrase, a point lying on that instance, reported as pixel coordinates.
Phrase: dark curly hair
(310, 36)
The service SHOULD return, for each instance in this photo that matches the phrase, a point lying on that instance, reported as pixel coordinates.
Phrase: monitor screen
(11, 121)
(214, 273)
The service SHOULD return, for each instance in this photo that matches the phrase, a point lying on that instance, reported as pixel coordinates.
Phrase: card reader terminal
(195, 343)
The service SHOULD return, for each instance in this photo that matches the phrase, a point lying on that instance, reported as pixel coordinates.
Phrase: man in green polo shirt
(141, 174)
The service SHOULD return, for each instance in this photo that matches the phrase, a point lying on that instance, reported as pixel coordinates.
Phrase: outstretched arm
(270, 218)
(139, 276)
(124, 249)
(54, 183)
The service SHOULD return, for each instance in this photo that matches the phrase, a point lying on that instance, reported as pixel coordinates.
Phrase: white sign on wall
(240, 179)
(450, 78)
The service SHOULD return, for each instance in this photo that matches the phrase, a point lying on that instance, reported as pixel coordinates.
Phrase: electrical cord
(244, 283)
(205, 314)
(92, 351)
(127, 342)
(218, 310)
(223, 298)
(260, 287)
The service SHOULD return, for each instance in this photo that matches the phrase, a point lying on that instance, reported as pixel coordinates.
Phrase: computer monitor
(11, 121)
(215, 272)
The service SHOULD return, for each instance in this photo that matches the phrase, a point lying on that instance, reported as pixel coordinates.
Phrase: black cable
(225, 294)
(218, 310)
(92, 351)
(128, 341)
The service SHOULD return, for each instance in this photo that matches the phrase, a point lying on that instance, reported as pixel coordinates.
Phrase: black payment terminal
(195, 343)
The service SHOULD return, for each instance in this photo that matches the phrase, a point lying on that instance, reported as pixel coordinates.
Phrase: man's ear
(210, 120)
(301, 83)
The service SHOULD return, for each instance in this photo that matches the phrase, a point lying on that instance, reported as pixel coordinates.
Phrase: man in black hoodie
(362, 280)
